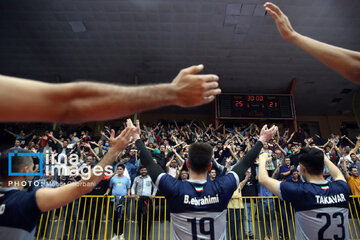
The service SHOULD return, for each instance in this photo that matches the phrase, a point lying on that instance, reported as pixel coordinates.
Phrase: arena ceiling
(114, 41)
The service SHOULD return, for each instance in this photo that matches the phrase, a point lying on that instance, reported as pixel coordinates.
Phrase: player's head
(18, 164)
(353, 171)
(311, 161)
(200, 155)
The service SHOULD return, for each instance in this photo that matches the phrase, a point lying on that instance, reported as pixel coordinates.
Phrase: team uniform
(18, 214)
(196, 207)
(321, 208)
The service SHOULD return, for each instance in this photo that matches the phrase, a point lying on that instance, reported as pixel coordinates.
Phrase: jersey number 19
(202, 223)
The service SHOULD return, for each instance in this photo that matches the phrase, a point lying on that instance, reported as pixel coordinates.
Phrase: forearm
(146, 159)
(343, 61)
(333, 170)
(354, 150)
(78, 101)
(108, 160)
(248, 160)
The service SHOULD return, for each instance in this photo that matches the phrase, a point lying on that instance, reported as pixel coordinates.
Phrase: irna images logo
(16, 153)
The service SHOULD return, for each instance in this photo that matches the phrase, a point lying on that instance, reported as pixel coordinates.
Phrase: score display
(255, 106)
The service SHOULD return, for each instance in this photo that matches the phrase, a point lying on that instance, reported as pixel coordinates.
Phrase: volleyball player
(321, 207)
(197, 206)
(20, 210)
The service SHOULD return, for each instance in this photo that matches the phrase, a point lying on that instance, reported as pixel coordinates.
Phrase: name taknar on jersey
(330, 199)
(201, 201)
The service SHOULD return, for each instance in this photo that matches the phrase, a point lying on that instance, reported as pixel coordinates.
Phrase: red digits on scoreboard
(255, 98)
(272, 104)
(239, 104)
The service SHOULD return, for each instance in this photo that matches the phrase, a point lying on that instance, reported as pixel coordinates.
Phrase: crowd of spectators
(168, 143)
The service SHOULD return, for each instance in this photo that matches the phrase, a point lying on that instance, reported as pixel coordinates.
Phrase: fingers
(112, 135)
(272, 13)
(208, 99)
(129, 123)
(272, 7)
(137, 124)
(264, 127)
(124, 132)
(192, 69)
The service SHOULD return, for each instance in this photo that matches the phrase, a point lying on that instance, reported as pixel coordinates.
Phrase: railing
(93, 217)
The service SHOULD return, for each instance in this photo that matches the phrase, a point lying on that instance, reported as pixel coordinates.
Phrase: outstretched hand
(266, 134)
(282, 21)
(136, 133)
(123, 140)
(194, 89)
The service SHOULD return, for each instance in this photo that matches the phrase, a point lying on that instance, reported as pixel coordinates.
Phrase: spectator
(352, 178)
(285, 170)
(234, 206)
(212, 174)
(120, 188)
(145, 189)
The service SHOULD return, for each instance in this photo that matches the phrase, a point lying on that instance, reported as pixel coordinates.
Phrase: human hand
(123, 140)
(282, 21)
(264, 157)
(137, 131)
(267, 134)
(194, 90)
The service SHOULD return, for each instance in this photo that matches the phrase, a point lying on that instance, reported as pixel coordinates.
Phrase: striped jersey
(198, 208)
(321, 208)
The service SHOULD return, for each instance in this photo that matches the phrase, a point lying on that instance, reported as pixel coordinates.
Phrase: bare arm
(344, 170)
(343, 61)
(264, 179)
(89, 101)
(334, 171)
(52, 198)
(354, 150)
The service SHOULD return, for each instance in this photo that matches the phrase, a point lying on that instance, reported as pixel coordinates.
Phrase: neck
(197, 176)
(10, 182)
(120, 175)
(315, 178)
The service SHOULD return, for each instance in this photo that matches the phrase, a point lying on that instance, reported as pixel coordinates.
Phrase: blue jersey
(321, 208)
(18, 214)
(198, 208)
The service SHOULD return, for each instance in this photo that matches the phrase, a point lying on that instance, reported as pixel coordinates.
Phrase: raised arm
(333, 170)
(355, 149)
(52, 198)
(146, 159)
(89, 101)
(250, 157)
(264, 179)
(343, 61)
(9, 132)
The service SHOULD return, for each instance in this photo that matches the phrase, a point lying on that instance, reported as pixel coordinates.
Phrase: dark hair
(200, 155)
(121, 165)
(351, 167)
(141, 167)
(17, 163)
(312, 159)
